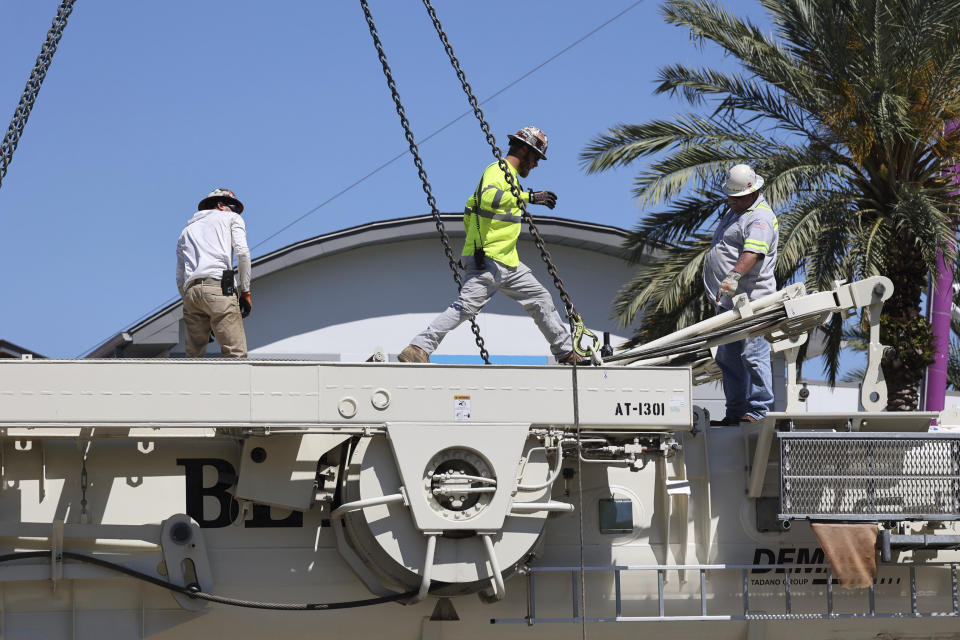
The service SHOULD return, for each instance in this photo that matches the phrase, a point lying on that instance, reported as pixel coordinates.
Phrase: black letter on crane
(763, 556)
(261, 518)
(226, 477)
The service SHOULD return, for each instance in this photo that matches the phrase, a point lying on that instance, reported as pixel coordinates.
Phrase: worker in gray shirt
(742, 259)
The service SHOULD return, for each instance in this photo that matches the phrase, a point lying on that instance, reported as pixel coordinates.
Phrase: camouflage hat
(217, 195)
(534, 137)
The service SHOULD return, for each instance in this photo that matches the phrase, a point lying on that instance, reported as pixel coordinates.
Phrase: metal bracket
(280, 470)
(873, 388)
(673, 487)
(42, 488)
(362, 571)
(427, 567)
(742, 304)
(378, 355)
(56, 553)
(793, 389)
(185, 557)
(696, 461)
(888, 541)
(496, 576)
(790, 346)
(765, 430)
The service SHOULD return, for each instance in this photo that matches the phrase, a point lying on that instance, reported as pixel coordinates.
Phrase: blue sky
(149, 106)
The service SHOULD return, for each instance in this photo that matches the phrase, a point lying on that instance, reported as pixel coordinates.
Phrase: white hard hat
(741, 181)
(218, 195)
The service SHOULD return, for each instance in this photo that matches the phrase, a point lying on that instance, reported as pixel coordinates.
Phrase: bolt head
(181, 532)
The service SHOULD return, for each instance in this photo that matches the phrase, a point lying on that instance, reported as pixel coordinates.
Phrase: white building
(340, 295)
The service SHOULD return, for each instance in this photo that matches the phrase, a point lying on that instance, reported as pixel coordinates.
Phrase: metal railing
(911, 611)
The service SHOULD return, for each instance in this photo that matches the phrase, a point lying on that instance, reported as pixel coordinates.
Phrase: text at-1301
(640, 409)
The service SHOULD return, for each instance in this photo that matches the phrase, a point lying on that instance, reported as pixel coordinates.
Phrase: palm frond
(831, 351)
(739, 94)
(842, 108)
(665, 286)
(661, 229)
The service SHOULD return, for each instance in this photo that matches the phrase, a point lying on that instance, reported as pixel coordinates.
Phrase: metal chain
(30, 92)
(514, 188)
(414, 151)
(84, 449)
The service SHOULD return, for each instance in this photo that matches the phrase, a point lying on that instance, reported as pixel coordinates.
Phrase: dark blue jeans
(747, 379)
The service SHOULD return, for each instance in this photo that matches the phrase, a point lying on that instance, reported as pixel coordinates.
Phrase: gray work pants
(517, 283)
(206, 309)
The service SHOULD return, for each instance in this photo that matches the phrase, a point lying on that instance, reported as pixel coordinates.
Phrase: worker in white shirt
(205, 276)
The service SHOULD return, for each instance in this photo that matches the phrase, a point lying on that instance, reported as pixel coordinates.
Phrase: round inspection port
(258, 454)
(347, 407)
(380, 399)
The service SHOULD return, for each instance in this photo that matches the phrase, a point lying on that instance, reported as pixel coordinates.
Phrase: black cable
(193, 591)
(23, 555)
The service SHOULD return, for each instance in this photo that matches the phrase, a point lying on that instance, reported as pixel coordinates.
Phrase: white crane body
(553, 497)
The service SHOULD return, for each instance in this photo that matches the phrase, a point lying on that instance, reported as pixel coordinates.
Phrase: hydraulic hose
(193, 590)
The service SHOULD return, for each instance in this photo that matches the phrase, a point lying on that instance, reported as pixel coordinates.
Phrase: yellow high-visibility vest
(499, 214)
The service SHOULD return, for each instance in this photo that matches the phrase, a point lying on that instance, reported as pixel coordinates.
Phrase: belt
(215, 281)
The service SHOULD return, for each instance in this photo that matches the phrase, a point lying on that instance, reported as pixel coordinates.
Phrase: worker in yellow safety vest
(492, 221)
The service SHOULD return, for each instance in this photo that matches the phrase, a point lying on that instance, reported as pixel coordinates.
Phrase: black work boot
(726, 422)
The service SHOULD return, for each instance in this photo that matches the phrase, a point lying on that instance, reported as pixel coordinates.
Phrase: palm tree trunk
(904, 328)
(940, 306)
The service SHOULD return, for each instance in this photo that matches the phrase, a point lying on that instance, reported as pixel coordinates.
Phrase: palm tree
(842, 109)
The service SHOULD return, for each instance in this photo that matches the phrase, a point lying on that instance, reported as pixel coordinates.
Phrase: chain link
(84, 449)
(514, 188)
(414, 151)
(30, 92)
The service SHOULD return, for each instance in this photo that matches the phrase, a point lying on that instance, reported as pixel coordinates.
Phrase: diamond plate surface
(864, 477)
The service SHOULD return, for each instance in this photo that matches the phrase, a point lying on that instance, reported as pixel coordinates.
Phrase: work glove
(245, 305)
(729, 285)
(547, 198)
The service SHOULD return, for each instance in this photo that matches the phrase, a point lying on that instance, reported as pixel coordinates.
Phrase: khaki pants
(206, 309)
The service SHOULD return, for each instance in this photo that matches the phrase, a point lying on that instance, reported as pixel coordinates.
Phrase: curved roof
(560, 231)
(590, 236)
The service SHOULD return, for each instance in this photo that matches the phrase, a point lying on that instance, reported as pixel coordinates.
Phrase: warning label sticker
(677, 404)
(461, 408)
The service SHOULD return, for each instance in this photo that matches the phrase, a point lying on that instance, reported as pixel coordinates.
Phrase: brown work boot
(413, 353)
(571, 358)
